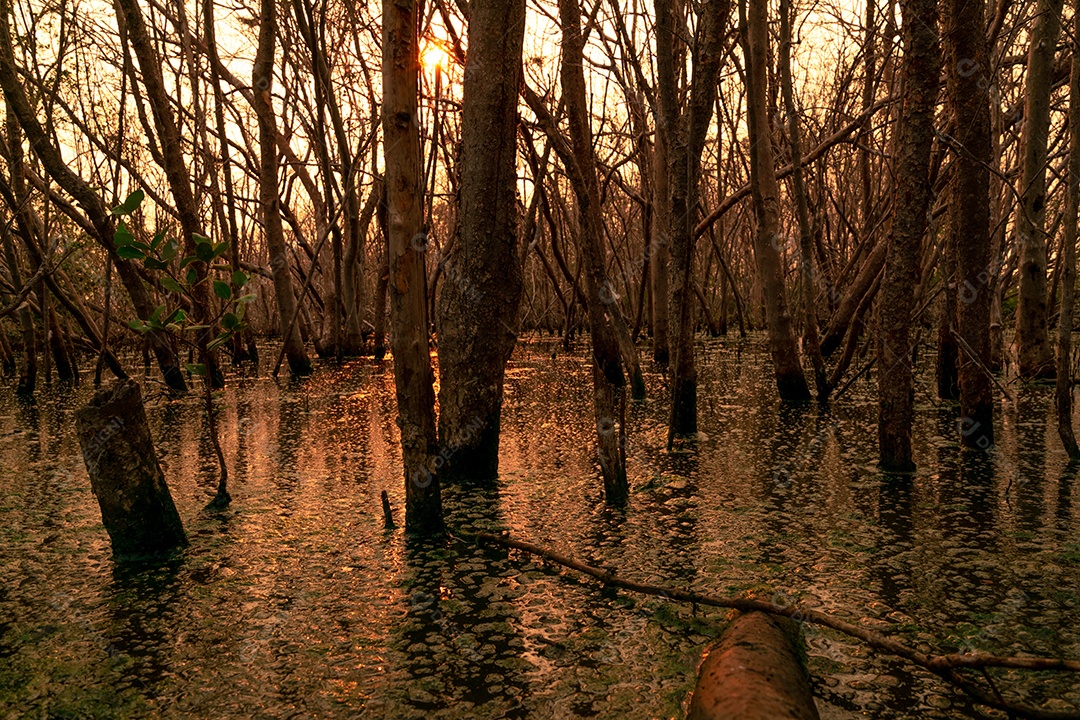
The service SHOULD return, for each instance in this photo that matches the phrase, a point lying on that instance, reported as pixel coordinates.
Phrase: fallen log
(136, 506)
(754, 673)
(946, 666)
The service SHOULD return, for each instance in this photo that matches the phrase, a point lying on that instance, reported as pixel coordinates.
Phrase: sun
(434, 54)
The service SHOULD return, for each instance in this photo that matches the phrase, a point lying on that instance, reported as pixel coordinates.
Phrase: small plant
(180, 278)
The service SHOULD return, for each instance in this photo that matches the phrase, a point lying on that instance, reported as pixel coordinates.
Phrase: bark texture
(969, 228)
(911, 203)
(478, 305)
(1034, 354)
(790, 379)
(262, 80)
(407, 277)
(609, 383)
(1063, 389)
(754, 673)
(136, 507)
(684, 136)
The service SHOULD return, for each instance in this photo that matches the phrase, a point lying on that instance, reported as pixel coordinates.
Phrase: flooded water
(296, 603)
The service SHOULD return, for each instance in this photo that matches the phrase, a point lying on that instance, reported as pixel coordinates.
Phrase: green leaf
(155, 264)
(240, 278)
(188, 260)
(171, 285)
(201, 239)
(221, 248)
(122, 236)
(176, 316)
(156, 315)
(205, 252)
(169, 251)
(219, 341)
(192, 276)
(127, 252)
(240, 308)
(223, 290)
(246, 298)
(196, 368)
(137, 326)
(229, 321)
(131, 204)
(157, 239)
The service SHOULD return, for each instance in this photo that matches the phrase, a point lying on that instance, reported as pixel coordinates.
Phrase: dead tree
(896, 392)
(478, 305)
(407, 278)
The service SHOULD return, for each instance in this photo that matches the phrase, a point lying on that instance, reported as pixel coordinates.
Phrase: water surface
(296, 603)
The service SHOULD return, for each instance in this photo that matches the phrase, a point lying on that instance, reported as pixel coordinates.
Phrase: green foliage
(180, 278)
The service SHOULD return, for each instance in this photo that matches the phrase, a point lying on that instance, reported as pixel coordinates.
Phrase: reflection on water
(297, 603)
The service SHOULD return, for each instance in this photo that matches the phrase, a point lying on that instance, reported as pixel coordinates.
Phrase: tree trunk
(136, 507)
(478, 305)
(802, 208)
(609, 384)
(28, 367)
(408, 278)
(790, 380)
(659, 257)
(1033, 345)
(896, 393)
(1063, 389)
(755, 672)
(684, 141)
(969, 231)
(352, 281)
(262, 79)
(228, 228)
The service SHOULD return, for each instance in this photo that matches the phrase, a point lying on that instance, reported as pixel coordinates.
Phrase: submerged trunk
(1063, 391)
(658, 252)
(684, 136)
(413, 376)
(806, 255)
(609, 384)
(28, 367)
(969, 230)
(1033, 346)
(478, 305)
(790, 380)
(136, 506)
(921, 66)
(262, 76)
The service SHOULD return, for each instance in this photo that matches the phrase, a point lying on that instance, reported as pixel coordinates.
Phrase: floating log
(136, 507)
(754, 673)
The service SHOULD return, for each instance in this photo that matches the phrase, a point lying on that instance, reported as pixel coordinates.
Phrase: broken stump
(136, 506)
(754, 672)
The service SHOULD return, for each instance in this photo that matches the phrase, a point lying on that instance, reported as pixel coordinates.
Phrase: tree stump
(754, 673)
(136, 507)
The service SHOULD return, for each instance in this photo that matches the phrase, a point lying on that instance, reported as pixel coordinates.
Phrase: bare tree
(1063, 389)
(969, 211)
(911, 205)
(790, 379)
(1033, 346)
(478, 305)
(262, 80)
(408, 283)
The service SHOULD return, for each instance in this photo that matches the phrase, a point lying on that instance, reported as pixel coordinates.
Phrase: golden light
(434, 54)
